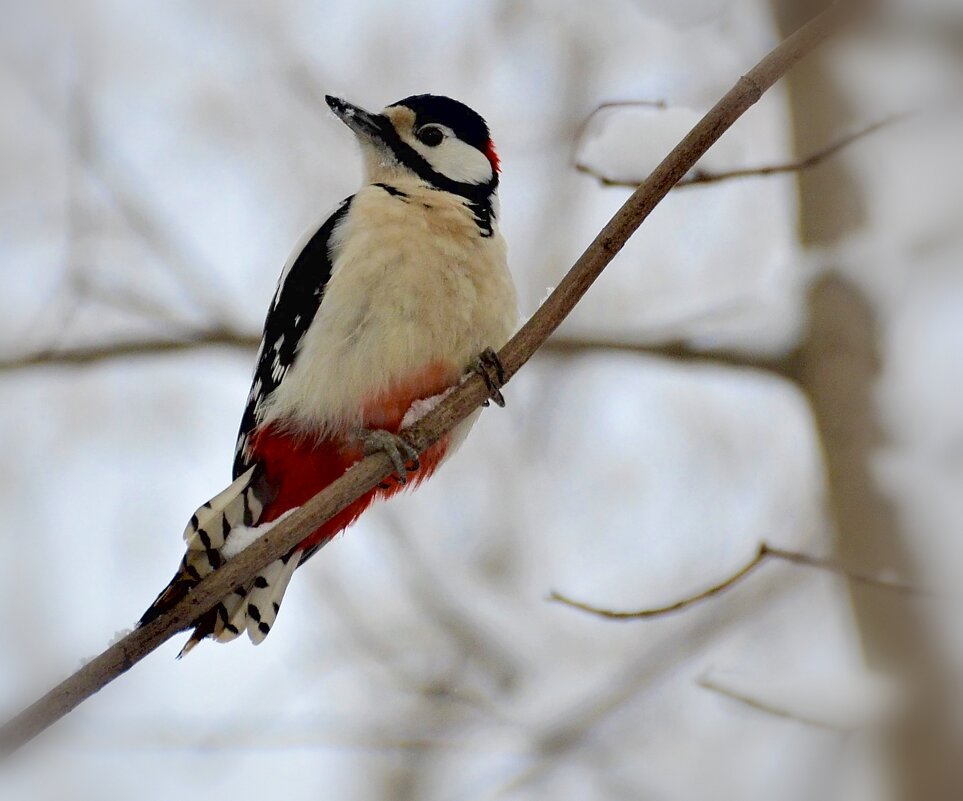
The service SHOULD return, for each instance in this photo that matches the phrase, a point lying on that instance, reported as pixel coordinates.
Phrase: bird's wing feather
(295, 304)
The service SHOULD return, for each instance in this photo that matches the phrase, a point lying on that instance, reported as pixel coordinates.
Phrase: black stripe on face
(479, 196)
(417, 163)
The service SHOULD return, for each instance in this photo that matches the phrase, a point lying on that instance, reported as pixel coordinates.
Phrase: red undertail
(298, 468)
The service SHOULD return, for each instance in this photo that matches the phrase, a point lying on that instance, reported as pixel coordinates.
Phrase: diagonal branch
(764, 553)
(465, 399)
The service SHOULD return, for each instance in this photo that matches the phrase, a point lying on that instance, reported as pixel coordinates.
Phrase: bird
(400, 293)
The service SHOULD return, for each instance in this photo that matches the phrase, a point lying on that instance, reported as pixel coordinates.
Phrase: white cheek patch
(455, 159)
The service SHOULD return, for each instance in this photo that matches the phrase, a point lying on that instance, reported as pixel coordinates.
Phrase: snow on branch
(467, 397)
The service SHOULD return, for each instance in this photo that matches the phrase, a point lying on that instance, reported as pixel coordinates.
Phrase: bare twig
(707, 683)
(782, 364)
(93, 354)
(678, 606)
(467, 397)
(700, 177)
(830, 566)
(763, 554)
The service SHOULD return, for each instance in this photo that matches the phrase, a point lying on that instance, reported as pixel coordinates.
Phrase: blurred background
(772, 358)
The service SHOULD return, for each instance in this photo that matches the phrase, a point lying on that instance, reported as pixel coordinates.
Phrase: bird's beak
(367, 126)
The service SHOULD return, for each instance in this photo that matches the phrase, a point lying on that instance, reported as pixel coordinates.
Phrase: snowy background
(158, 161)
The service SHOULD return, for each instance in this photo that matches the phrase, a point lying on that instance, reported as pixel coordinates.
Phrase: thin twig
(830, 566)
(707, 683)
(781, 364)
(464, 400)
(678, 606)
(764, 553)
(92, 354)
(700, 177)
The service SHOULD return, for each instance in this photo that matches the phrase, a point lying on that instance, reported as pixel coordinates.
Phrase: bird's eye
(430, 135)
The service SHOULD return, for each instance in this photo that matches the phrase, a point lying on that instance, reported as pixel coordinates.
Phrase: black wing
(295, 303)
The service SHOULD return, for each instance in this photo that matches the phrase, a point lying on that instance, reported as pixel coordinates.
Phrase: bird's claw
(490, 368)
(404, 457)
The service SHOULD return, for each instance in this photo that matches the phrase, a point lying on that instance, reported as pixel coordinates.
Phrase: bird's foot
(490, 368)
(404, 457)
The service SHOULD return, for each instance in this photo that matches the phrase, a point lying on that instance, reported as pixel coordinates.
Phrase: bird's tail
(252, 608)
(209, 531)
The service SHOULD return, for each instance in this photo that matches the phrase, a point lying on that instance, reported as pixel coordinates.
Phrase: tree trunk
(838, 364)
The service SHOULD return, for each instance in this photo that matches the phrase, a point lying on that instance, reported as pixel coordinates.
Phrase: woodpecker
(404, 289)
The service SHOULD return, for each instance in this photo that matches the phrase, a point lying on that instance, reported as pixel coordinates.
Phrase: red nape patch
(493, 156)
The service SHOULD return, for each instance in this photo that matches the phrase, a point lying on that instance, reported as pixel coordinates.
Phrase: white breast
(413, 283)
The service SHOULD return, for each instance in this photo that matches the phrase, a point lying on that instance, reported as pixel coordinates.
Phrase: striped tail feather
(239, 506)
(218, 531)
(254, 608)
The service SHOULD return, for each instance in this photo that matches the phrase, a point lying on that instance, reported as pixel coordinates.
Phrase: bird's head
(439, 140)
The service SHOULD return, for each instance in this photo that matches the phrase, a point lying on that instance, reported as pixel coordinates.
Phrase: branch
(708, 683)
(700, 177)
(764, 553)
(93, 354)
(678, 606)
(781, 364)
(465, 399)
